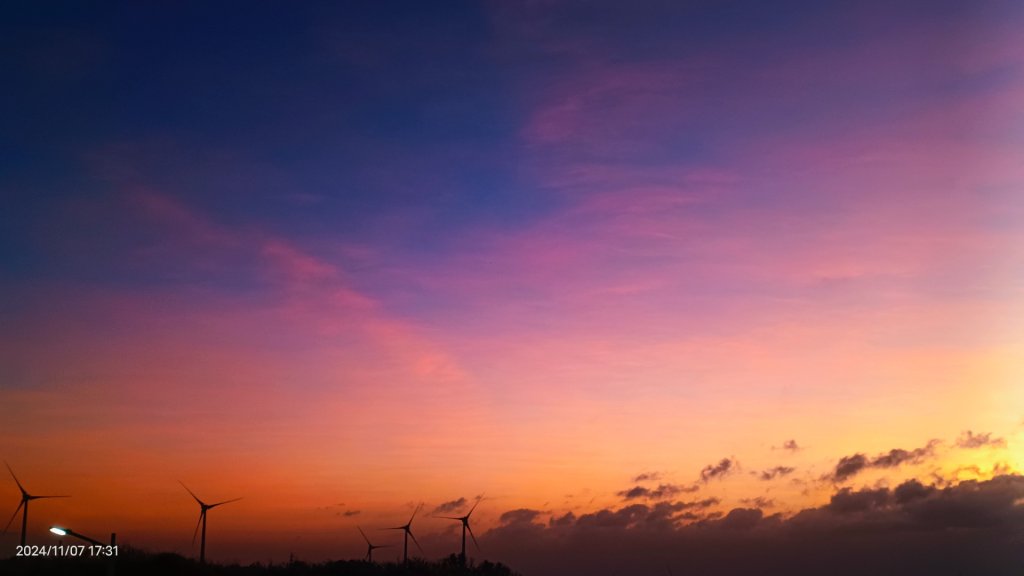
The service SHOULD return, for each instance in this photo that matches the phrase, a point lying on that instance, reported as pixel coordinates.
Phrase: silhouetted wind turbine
(370, 547)
(407, 528)
(465, 526)
(23, 506)
(203, 507)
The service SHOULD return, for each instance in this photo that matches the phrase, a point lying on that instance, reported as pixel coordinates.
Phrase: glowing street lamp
(69, 532)
(111, 549)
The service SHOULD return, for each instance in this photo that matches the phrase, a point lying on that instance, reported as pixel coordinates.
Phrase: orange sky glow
(665, 262)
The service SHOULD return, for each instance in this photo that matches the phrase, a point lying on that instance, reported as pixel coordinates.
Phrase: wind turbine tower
(465, 527)
(369, 546)
(203, 508)
(23, 506)
(407, 528)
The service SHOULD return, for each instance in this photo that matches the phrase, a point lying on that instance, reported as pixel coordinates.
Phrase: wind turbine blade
(198, 522)
(395, 528)
(224, 502)
(13, 516)
(201, 503)
(414, 513)
(38, 497)
(414, 540)
(364, 535)
(20, 487)
(470, 513)
(468, 527)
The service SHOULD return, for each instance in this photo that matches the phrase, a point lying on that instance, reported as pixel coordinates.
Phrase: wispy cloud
(759, 502)
(850, 466)
(773, 473)
(661, 492)
(450, 506)
(519, 516)
(724, 468)
(970, 440)
(790, 446)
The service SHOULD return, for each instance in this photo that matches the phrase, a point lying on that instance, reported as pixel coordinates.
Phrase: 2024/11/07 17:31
(70, 551)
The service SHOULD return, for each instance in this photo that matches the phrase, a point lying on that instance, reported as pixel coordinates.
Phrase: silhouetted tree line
(140, 563)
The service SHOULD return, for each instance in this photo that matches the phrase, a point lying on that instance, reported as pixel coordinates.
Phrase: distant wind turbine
(465, 527)
(369, 546)
(407, 528)
(23, 506)
(203, 507)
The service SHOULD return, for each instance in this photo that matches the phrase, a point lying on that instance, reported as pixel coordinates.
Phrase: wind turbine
(407, 528)
(23, 506)
(203, 507)
(370, 547)
(465, 527)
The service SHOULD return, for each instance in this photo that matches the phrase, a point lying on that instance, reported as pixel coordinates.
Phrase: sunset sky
(343, 258)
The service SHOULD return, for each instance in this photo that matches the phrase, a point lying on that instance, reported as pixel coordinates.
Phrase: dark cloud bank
(975, 527)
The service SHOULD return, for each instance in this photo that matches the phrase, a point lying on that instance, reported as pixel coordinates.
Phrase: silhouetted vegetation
(140, 563)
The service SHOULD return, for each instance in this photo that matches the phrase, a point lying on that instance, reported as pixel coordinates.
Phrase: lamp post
(113, 543)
